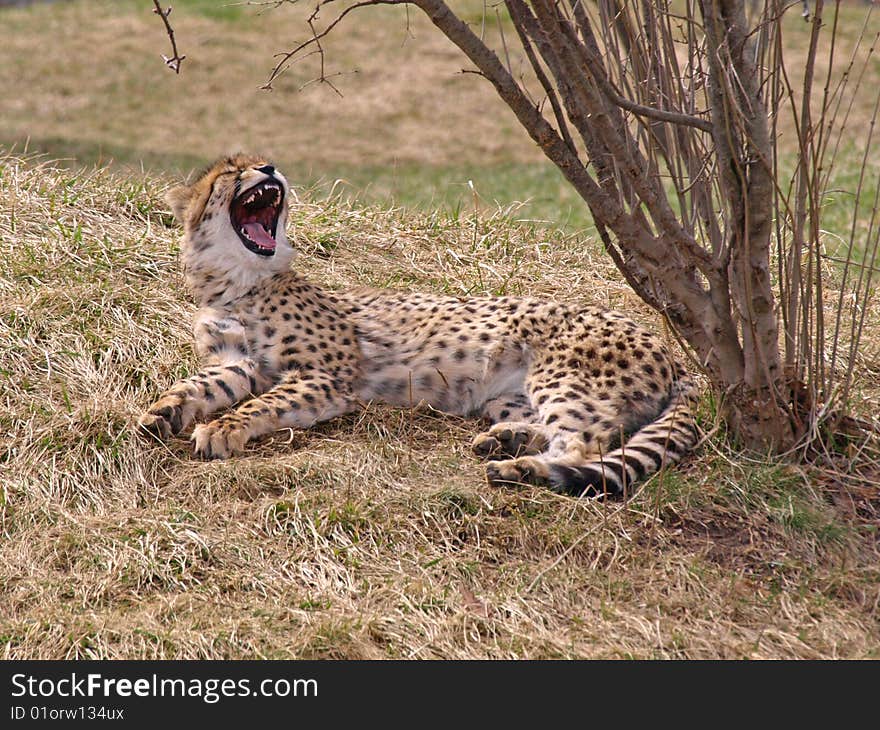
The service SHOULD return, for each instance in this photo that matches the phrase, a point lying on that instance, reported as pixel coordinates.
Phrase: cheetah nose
(267, 169)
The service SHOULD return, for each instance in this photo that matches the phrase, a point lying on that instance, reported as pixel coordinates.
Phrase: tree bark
(758, 409)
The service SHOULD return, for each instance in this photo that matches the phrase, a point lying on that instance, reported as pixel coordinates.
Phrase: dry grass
(373, 535)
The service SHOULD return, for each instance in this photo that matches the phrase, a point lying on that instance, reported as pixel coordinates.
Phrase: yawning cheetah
(560, 384)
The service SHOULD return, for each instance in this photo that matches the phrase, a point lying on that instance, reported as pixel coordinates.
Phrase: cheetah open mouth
(254, 214)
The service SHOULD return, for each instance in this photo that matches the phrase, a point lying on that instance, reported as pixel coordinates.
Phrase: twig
(290, 56)
(174, 61)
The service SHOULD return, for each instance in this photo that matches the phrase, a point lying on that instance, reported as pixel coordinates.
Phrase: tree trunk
(758, 405)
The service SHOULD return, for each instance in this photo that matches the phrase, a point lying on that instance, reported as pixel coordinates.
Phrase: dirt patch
(751, 546)
(857, 503)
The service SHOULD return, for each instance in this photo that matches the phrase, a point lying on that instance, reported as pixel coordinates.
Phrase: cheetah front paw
(218, 439)
(518, 472)
(509, 440)
(164, 418)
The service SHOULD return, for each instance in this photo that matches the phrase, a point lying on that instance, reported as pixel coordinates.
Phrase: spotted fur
(580, 399)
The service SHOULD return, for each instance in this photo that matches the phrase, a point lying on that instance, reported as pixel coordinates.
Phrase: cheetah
(577, 398)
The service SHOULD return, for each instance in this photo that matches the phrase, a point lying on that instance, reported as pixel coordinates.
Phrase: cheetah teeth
(260, 191)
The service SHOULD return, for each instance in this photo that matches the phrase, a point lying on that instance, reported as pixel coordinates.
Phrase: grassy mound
(373, 535)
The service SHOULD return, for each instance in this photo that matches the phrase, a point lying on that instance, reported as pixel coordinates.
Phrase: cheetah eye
(255, 212)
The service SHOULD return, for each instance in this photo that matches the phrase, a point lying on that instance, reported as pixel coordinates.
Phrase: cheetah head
(234, 217)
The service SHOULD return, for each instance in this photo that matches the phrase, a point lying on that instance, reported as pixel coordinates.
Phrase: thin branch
(637, 284)
(285, 58)
(174, 61)
(542, 78)
(661, 115)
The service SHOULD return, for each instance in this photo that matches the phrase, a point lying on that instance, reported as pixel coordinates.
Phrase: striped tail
(663, 441)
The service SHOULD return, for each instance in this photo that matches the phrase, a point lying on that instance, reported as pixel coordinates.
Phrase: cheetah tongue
(259, 235)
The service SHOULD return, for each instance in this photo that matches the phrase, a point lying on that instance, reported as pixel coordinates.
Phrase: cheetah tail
(663, 441)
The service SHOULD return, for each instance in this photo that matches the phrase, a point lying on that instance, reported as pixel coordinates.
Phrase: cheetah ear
(179, 198)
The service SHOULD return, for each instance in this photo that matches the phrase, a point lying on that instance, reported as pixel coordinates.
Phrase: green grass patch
(531, 193)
